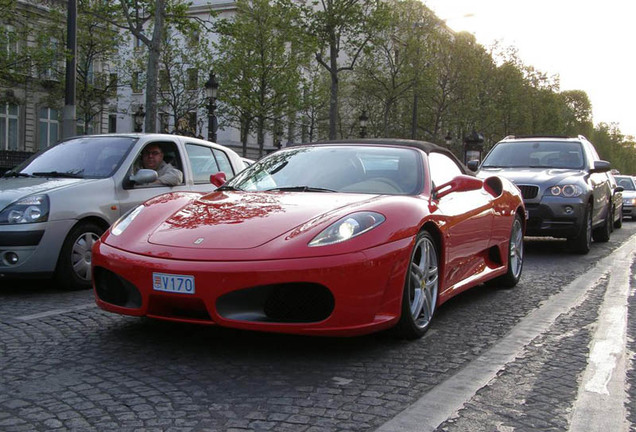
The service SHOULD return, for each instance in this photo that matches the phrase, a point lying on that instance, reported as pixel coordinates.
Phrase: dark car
(566, 187)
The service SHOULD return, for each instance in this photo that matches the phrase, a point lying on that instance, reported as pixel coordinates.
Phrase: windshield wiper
(58, 174)
(228, 188)
(16, 174)
(299, 189)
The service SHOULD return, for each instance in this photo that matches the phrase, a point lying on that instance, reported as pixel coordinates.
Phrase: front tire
(582, 243)
(419, 298)
(74, 263)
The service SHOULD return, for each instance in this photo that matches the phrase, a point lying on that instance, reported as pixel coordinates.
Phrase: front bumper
(31, 249)
(555, 217)
(349, 294)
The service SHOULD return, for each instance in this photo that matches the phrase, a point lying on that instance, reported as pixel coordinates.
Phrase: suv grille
(528, 192)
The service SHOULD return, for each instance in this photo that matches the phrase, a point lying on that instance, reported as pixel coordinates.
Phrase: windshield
(626, 182)
(355, 169)
(536, 154)
(87, 157)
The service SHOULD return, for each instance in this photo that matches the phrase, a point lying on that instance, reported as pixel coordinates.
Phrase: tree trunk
(333, 99)
(153, 68)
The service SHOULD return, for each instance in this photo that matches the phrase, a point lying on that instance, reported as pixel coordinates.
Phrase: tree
(343, 28)
(262, 52)
(147, 21)
(184, 64)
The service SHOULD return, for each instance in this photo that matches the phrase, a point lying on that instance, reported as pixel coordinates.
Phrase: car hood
(235, 220)
(629, 194)
(533, 176)
(12, 189)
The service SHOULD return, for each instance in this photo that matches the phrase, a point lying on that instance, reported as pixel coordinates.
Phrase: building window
(112, 84)
(49, 126)
(9, 127)
(135, 83)
(164, 122)
(112, 123)
(193, 79)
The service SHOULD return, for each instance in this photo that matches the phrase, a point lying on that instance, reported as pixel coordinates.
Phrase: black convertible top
(425, 146)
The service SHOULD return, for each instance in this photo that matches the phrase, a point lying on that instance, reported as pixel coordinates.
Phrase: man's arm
(169, 175)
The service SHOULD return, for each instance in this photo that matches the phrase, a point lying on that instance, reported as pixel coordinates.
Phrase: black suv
(566, 187)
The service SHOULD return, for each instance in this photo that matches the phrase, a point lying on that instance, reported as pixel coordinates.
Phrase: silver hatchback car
(55, 205)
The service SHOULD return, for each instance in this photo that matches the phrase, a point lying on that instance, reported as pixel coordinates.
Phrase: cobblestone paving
(536, 391)
(87, 370)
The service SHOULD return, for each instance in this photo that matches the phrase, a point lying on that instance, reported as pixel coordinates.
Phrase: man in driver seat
(152, 158)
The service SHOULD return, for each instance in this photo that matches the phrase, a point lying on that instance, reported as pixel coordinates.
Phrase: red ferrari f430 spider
(336, 238)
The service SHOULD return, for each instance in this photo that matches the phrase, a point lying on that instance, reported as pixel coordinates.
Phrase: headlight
(566, 191)
(348, 227)
(629, 201)
(125, 220)
(31, 209)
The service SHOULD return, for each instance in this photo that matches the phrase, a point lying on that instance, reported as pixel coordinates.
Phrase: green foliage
(262, 53)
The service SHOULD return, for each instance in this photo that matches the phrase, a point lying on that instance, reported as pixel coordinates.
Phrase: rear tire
(74, 263)
(419, 299)
(515, 256)
(602, 233)
(619, 223)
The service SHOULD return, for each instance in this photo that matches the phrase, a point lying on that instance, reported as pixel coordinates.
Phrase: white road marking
(54, 312)
(447, 398)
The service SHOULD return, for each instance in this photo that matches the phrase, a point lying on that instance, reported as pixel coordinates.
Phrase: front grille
(528, 191)
(299, 302)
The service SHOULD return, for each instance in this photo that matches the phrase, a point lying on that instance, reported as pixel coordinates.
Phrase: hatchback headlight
(566, 191)
(125, 220)
(347, 228)
(32, 209)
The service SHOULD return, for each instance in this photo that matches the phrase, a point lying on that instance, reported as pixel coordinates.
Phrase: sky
(590, 44)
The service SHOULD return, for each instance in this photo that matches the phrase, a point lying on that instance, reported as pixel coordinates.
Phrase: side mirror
(462, 183)
(218, 179)
(473, 165)
(143, 176)
(601, 166)
(619, 189)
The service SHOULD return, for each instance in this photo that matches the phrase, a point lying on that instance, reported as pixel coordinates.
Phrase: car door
(130, 195)
(204, 161)
(468, 218)
(601, 189)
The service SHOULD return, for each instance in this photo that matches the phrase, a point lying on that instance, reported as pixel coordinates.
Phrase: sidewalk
(564, 367)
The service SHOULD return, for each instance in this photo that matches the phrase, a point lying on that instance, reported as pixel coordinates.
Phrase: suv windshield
(87, 157)
(536, 154)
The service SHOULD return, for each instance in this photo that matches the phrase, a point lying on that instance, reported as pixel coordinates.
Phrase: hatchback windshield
(359, 169)
(94, 157)
(536, 154)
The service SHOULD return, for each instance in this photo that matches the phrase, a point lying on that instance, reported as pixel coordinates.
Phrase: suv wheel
(602, 233)
(582, 243)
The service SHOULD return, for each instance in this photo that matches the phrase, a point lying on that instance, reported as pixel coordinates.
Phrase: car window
(536, 154)
(84, 157)
(224, 163)
(352, 169)
(204, 163)
(443, 169)
(626, 183)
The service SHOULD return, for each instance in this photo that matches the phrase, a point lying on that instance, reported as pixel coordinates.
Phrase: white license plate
(182, 284)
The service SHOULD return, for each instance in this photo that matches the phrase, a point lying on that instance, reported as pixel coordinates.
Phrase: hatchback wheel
(74, 263)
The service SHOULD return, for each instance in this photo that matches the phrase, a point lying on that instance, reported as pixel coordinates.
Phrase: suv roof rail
(538, 136)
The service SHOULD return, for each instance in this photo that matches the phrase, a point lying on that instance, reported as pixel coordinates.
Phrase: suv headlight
(347, 228)
(32, 209)
(566, 191)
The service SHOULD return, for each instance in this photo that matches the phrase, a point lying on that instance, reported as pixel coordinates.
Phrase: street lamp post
(138, 118)
(448, 139)
(473, 146)
(363, 124)
(279, 138)
(211, 88)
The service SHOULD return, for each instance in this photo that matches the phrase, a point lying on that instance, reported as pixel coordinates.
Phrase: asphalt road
(554, 353)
